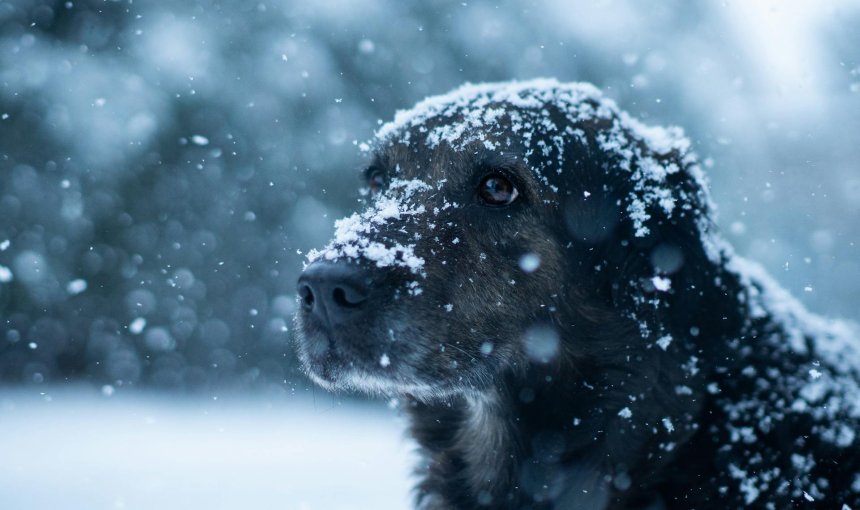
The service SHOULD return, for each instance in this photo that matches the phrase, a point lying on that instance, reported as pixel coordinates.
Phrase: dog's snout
(333, 292)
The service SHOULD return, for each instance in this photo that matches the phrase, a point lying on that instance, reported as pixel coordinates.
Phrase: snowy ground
(78, 450)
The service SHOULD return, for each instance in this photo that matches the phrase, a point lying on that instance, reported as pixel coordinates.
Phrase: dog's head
(506, 225)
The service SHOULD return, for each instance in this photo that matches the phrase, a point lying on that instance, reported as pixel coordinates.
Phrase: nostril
(333, 294)
(307, 297)
(347, 297)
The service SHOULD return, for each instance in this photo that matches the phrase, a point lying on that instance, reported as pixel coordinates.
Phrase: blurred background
(164, 165)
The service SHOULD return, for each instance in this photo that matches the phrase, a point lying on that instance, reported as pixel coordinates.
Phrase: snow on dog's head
(541, 118)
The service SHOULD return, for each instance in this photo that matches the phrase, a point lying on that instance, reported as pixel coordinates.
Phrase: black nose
(333, 292)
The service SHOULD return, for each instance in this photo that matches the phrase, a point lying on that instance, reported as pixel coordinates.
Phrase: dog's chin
(380, 381)
(333, 370)
(382, 384)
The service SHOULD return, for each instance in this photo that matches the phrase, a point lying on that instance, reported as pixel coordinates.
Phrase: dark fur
(500, 430)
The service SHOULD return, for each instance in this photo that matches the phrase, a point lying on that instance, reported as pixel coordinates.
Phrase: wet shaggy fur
(639, 397)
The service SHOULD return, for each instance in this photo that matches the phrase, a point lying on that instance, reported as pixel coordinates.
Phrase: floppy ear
(663, 280)
(666, 281)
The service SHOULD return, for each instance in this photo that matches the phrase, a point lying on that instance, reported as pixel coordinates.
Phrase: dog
(538, 278)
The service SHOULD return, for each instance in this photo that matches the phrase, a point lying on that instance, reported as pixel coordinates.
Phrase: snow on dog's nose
(380, 235)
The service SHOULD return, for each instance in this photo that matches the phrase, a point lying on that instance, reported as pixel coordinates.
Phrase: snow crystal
(199, 140)
(625, 413)
(530, 262)
(803, 464)
(76, 286)
(844, 436)
(661, 283)
(449, 307)
(137, 325)
(5, 274)
(4, 245)
(683, 390)
(691, 366)
(384, 360)
(667, 423)
(414, 288)
(747, 484)
(664, 341)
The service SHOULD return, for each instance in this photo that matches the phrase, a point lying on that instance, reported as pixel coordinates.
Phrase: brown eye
(497, 190)
(376, 182)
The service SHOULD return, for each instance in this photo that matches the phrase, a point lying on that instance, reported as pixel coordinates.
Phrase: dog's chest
(486, 445)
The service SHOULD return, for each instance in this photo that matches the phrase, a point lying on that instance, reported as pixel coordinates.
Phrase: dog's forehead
(438, 165)
(538, 123)
(494, 115)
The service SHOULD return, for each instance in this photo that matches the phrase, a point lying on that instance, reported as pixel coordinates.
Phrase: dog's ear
(663, 278)
(662, 272)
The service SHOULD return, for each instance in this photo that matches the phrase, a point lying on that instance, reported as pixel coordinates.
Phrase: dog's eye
(497, 190)
(376, 182)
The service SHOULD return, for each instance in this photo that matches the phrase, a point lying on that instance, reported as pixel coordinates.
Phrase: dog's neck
(490, 449)
(470, 450)
(486, 440)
